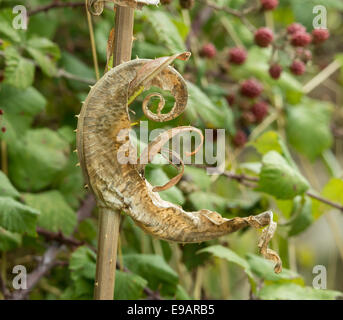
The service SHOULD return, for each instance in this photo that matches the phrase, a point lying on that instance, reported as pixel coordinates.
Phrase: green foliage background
(46, 72)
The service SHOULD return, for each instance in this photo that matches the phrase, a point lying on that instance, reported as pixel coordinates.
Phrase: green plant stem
(91, 35)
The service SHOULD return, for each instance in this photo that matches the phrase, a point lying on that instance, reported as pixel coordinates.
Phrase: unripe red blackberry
(1, 112)
(248, 117)
(304, 55)
(320, 35)
(230, 98)
(165, 2)
(260, 110)
(251, 88)
(298, 67)
(237, 55)
(240, 139)
(275, 71)
(3, 129)
(269, 4)
(301, 39)
(263, 37)
(187, 4)
(208, 50)
(295, 27)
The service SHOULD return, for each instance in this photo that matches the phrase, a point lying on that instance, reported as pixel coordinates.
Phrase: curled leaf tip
(267, 235)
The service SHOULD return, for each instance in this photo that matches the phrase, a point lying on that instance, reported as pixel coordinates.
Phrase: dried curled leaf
(103, 141)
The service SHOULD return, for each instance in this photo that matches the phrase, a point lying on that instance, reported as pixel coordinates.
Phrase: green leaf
(333, 190)
(37, 159)
(269, 141)
(279, 179)
(264, 269)
(211, 114)
(19, 106)
(157, 177)
(17, 101)
(292, 291)
(199, 176)
(19, 71)
(6, 187)
(44, 62)
(308, 127)
(9, 240)
(6, 28)
(148, 50)
(181, 293)
(16, 217)
(152, 268)
(83, 263)
(56, 215)
(45, 46)
(82, 266)
(207, 200)
(45, 53)
(75, 66)
(128, 286)
(302, 216)
(229, 255)
(70, 182)
(165, 30)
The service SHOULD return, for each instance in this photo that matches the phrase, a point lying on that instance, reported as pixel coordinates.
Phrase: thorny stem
(109, 219)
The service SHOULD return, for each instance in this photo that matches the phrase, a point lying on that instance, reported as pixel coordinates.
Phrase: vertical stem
(109, 220)
(123, 35)
(91, 35)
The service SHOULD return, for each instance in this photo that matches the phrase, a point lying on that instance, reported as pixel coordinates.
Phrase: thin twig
(243, 177)
(65, 74)
(91, 35)
(324, 200)
(55, 5)
(226, 9)
(322, 76)
(46, 264)
(59, 237)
